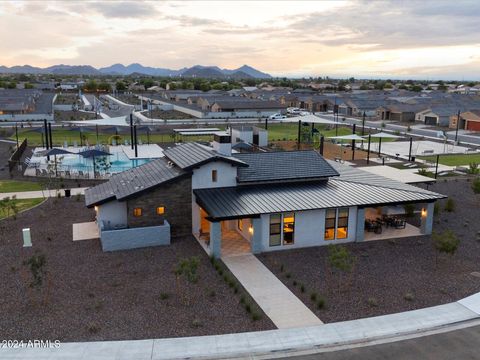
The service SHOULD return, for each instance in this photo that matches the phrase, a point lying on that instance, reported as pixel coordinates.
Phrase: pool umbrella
(92, 153)
(55, 152)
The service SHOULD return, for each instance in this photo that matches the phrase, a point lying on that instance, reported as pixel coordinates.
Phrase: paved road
(459, 344)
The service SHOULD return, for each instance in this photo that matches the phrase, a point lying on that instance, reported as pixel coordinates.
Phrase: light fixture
(424, 212)
(250, 230)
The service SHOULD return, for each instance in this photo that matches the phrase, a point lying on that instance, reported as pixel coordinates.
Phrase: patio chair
(44, 172)
(140, 142)
(38, 172)
(75, 144)
(80, 174)
(67, 174)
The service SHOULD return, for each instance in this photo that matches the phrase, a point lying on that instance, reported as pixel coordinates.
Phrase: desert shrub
(188, 269)
(446, 242)
(476, 186)
(372, 302)
(473, 168)
(450, 205)
(302, 288)
(321, 303)
(409, 296)
(164, 296)
(340, 258)
(313, 296)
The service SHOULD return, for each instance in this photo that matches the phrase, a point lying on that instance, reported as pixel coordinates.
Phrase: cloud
(123, 9)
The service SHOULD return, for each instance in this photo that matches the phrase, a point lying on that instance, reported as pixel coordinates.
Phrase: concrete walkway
(275, 299)
(41, 194)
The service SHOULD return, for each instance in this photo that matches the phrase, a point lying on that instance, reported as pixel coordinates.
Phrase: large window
(330, 222)
(336, 224)
(342, 229)
(288, 228)
(275, 229)
(282, 229)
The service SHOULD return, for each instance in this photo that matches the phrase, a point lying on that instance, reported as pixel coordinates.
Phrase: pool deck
(151, 151)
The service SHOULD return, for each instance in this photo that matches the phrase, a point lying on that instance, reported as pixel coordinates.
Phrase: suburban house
(436, 115)
(253, 202)
(469, 120)
(263, 108)
(399, 112)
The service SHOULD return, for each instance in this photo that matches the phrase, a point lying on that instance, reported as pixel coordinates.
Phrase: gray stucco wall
(133, 238)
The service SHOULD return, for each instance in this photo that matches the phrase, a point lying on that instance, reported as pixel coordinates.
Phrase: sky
(365, 39)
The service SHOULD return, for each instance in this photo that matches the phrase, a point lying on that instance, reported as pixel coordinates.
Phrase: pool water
(117, 162)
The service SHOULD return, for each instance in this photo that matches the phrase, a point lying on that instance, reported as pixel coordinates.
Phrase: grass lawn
(59, 136)
(21, 205)
(289, 131)
(454, 160)
(16, 186)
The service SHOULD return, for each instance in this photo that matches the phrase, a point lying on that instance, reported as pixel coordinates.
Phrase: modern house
(256, 202)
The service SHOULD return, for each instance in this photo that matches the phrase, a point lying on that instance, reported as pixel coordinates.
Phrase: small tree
(187, 268)
(38, 279)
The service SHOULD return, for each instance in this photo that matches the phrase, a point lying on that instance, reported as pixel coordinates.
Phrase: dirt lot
(391, 276)
(107, 296)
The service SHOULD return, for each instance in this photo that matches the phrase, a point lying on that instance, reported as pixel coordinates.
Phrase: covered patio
(395, 221)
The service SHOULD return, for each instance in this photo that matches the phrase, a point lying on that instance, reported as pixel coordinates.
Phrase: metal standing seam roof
(283, 165)
(349, 189)
(133, 181)
(189, 155)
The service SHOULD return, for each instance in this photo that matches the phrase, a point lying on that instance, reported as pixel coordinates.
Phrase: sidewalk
(41, 194)
(275, 299)
(271, 343)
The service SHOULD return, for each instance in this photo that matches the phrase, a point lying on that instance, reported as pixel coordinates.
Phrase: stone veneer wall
(175, 196)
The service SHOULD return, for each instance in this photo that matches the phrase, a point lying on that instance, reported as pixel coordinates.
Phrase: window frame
(137, 212)
(160, 212)
(339, 222)
(281, 231)
(214, 175)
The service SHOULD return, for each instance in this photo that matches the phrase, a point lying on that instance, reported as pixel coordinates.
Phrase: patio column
(360, 229)
(256, 243)
(215, 239)
(427, 218)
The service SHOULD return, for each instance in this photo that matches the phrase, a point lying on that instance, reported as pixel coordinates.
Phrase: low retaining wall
(133, 238)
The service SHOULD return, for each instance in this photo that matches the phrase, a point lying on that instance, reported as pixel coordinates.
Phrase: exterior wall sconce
(424, 212)
(250, 230)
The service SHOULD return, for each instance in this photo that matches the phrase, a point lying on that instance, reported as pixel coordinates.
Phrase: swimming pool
(115, 163)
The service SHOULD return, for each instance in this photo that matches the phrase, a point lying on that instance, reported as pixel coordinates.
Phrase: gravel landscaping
(391, 275)
(90, 295)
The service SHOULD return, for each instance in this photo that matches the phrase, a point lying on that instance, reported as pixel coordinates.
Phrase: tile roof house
(264, 201)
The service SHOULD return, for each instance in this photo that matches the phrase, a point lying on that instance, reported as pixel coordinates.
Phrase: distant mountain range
(243, 72)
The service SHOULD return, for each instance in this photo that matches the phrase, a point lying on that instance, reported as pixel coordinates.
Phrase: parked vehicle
(293, 111)
(277, 117)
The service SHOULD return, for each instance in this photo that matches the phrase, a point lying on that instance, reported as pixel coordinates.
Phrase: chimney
(222, 144)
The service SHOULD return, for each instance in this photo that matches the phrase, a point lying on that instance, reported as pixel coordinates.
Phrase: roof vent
(170, 164)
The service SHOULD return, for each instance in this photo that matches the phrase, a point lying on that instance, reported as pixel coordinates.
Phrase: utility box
(27, 238)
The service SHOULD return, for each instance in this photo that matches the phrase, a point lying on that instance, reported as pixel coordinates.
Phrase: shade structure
(54, 152)
(348, 137)
(92, 153)
(309, 119)
(384, 135)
